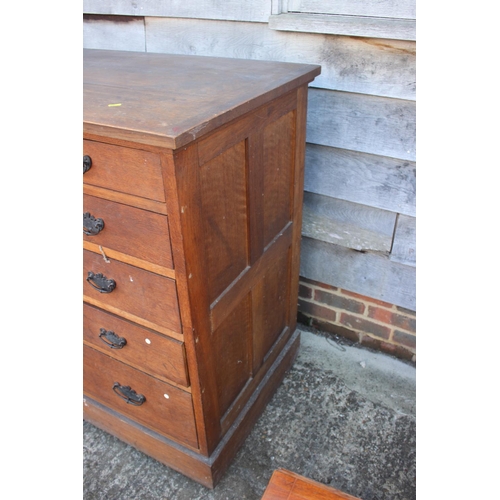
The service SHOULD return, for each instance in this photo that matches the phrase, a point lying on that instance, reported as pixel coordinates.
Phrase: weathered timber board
(404, 249)
(373, 27)
(347, 224)
(371, 180)
(382, 8)
(362, 65)
(368, 274)
(368, 124)
(235, 10)
(114, 33)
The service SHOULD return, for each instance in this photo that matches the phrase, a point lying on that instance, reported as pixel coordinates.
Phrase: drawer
(142, 296)
(132, 231)
(144, 349)
(130, 171)
(165, 409)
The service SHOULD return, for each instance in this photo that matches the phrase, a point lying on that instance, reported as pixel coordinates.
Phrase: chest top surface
(170, 100)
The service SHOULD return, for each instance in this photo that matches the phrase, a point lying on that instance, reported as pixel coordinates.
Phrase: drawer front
(132, 231)
(140, 295)
(141, 348)
(165, 409)
(130, 171)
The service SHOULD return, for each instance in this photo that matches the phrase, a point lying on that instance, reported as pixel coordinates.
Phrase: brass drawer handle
(128, 394)
(112, 340)
(87, 163)
(100, 282)
(91, 225)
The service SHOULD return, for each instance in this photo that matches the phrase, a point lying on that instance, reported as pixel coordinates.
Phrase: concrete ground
(343, 416)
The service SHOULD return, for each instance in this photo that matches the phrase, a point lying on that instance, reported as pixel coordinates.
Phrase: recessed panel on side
(270, 299)
(278, 162)
(232, 348)
(224, 213)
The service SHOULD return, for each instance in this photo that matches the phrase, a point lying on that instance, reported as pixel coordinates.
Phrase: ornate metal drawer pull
(87, 163)
(101, 283)
(128, 394)
(91, 225)
(112, 340)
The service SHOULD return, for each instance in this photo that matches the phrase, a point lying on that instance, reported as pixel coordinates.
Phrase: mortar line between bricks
(360, 315)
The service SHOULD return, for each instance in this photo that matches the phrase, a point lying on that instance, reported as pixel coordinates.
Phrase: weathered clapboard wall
(359, 214)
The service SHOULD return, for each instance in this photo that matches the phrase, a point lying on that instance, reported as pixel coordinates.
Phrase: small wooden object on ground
(286, 485)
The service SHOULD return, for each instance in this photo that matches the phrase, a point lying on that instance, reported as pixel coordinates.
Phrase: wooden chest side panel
(241, 249)
(232, 342)
(224, 207)
(277, 171)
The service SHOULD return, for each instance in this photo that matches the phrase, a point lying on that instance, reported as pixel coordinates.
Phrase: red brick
(404, 339)
(392, 318)
(365, 326)
(325, 326)
(312, 309)
(339, 302)
(392, 349)
(305, 292)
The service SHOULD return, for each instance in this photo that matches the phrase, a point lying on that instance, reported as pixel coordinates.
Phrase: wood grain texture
(199, 346)
(110, 254)
(361, 65)
(118, 168)
(375, 181)
(347, 224)
(367, 124)
(164, 106)
(364, 273)
(374, 8)
(287, 485)
(404, 248)
(207, 471)
(277, 168)
(223, 193)
(164, 407)
(233, 351)
(233, 194)
(136, 291)
(131, 231)
(127, 199)
(160, 356)
(235, 10)
(333, 24)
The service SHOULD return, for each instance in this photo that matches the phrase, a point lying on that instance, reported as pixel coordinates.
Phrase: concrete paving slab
(343, 416)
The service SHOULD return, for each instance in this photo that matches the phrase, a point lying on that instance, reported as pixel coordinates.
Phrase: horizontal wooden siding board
(373, 27)
(236, 10)
(404, 249)
(381, 8)
(368, 274)
(371, 180)
(361, 65)
(114, 33)
(347, 224)
(369, 124)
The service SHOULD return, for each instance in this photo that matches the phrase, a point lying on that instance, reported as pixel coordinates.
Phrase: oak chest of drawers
(193, 181)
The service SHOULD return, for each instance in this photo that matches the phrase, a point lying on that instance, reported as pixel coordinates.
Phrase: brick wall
(369, 322)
